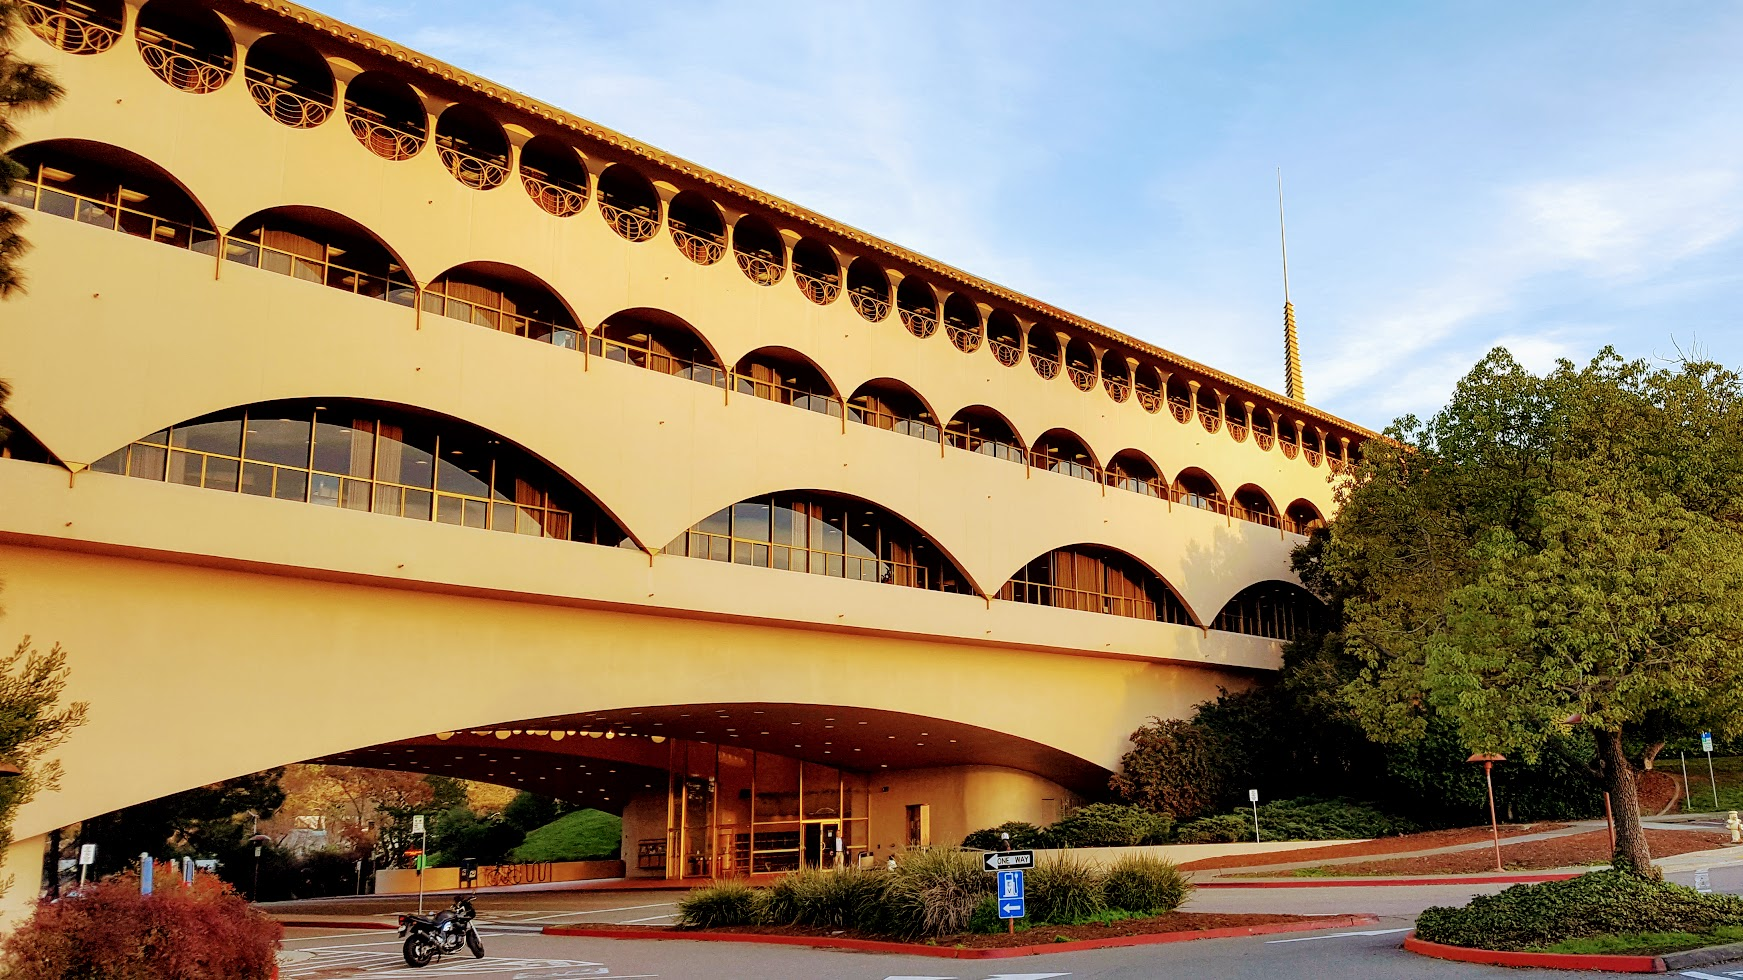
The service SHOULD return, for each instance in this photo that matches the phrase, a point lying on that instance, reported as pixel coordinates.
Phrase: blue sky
(1551, 177)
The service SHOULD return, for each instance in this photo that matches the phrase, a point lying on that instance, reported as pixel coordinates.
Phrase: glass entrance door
(821, 843)
(696, 848)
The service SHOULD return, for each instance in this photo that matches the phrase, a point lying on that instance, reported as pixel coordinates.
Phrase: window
(919, 825)
(1097, 580)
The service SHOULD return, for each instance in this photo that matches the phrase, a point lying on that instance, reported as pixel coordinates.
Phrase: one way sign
(1001, 860)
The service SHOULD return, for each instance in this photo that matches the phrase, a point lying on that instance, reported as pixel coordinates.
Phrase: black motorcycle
(431, 937)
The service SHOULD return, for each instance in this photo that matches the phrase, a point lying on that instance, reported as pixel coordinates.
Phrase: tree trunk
(1631, 850)
(1650, 756)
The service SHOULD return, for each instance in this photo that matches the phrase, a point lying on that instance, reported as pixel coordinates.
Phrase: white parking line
(1708, 976)
(625, 908)
(651, 918)
(1338, 935)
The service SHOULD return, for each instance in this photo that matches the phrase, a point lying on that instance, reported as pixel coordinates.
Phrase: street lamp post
(257, 840)
(1488, 759)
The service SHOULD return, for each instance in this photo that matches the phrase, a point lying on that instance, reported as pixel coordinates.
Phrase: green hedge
(1601, 903)
(1307, 818)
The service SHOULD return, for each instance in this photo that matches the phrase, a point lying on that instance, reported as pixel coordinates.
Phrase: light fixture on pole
(1488, 759)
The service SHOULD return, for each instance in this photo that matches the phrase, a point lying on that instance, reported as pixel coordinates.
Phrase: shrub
(108, 931)
(725, 903)
(1065, 889)
(1175, 767)
(1023, 835)
(932, 892)
(1225, 828)
(1600, 903)
(1307, 818)
(1109, 825)
(986, 917)
(1145, 885)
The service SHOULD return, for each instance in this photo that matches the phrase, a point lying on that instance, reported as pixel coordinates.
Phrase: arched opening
(783, 375)
(1179, 398)
(472, 146)
(1238, 419)
(1061, 451)
(657, 341)
(1147, 385)
(1005, 336)
(506, 298)
(1210, 409)
(1194, 488)
(386, 116)
(698, 227)
(816, 271)
(823, 534)
(889, 404)
(1263, 419)
(1289, 439)
(1091, 578)
(186, 44)
(1312, 446)
(554, 176)
(1080, 363)
(629, 202)
(1116, 376)
(90, 27)
(917, 305)
(1133, 471)
(317, 245)
(962, 323)
(1302, 517)
(108, 187)
(1253, 504)
(1278, 610)
(761, 253)
(868, 289)
(289, 81)
(368, 457)
(1044, 351)
(979, 429)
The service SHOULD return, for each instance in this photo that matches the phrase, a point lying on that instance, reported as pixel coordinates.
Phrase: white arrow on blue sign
(1011, 897)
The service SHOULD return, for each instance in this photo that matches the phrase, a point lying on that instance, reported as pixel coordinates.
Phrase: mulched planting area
(1383, 845)
(1033, 936)
(1574, 850)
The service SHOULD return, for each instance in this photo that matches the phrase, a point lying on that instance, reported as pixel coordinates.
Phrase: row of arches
(398, 462)
(191, 48)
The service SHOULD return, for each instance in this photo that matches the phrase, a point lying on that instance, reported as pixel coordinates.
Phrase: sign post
(1685, 780)
(87, 857)
(145, 868)
(1012, 900)
(418, 860)
(1704, 881)
(1253, 798)
(1707, 747)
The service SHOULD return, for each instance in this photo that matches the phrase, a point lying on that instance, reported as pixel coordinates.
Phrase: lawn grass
(1647, 943)
(585, 835)
(1728, 770)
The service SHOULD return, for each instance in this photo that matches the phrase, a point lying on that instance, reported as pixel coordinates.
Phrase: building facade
(365, 411)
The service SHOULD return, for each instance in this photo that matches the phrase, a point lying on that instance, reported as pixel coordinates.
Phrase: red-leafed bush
(108, 931)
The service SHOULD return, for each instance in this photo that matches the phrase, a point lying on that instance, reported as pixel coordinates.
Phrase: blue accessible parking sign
(1011, 900)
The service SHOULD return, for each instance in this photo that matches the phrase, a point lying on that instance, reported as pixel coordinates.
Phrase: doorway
(822, 840)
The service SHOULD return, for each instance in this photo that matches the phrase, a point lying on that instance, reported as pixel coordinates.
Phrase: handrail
(1211, 419)
(1312, 457)
(797, 558)
(1289, 448)
(1152, 487)
(480, 173)
(920, 323)
(965, 339)
(561, 200)
(1150, 398)
(187, 70)
(891, 422)
(1263, 440)
(871, 307)
(1181, 408)
(699, 249)
(970, 443)
(1255, 516)
(1082, 378)
(1336, 465)
(662, 363)
(33, 195)
(497, 318)
(401, 292)
(1117, 388)
(759, 269)
(1068, 467)
(381, 138)
(1046, 367)
(73, 28)
(821, 290)
(1008, 354)
(1213, 504)
(786, 394)
(1238, 431)
(1082, 600)
(281, 101)
(631, 224)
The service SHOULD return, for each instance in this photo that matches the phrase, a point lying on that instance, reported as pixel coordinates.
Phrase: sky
(1550, 177)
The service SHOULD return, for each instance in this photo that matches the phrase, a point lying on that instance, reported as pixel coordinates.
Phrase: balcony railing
(1181, 408)
(786, 394)
(380, 137)
(1209, 418)
(1068, 467)
(1150, 398)
(506, 321)
(401, 292)
(796, 558)
(1083, 600)
(34, 196)
(964, 339)
(282, 101)
(1215, 505)
(1046, 367)
(700, 249)
(920, 323)
(1118, 389)
(1083, 378)
(658, 361)
(560, 199)
(969, 442)
(481, 173)
(1312, 457)
(181, 65)
(890, 422)
(1290, 449)
(71, 27)
(1008, 354)
(1336, 465)
(1151, 487)
(635, 224)
(869, 305)
(761, 269)
(1264, 517)
(821, 290)
(1262, 439)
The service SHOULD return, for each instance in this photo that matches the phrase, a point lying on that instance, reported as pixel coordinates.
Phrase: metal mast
(1291, 343)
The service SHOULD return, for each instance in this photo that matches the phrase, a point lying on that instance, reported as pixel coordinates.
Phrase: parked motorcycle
(431, 937)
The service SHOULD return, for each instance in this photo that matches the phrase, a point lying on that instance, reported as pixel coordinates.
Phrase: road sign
(1011, 897)
(417, 823)
(1000, 860)
(1706, 741)
(1704, 881)
(87, 854)
(1252, 796)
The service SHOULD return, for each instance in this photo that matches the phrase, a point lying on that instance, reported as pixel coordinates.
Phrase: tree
(1174, 767)
(23, 86)
(33, 722)
(207, 821)
(1550, 555)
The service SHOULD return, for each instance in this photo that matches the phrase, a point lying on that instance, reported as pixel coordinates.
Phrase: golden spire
(1291, 344)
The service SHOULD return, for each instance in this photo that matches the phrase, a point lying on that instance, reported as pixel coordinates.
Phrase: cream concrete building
(804, 544)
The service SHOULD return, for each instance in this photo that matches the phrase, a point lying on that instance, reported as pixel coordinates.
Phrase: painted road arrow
(1001, 860)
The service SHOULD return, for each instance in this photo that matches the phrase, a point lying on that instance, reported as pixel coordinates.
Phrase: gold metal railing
(1290, 449)
(786, 394)
(657, 361)
(890, 422)
(1262, 439)
(968, 442)
(797, 558)
(35, 196)
(1152, 487)
(561, 200)
(1255, 516)
(1215, 505)
(381, 138)
(1312, 457)
(1118, 389)
(760, 269)
(180, 65)
(920, 323)
(1209, 418)
(1067, 467)
(71, 27)
(1083, 600)
(507, 321)
(1150, 398)
(1046, 367)
(1082, 378)
(474, 171)
(1336, 465)
(1181, 408)
(700, 249)
(963, 338)
(821, 290)
(1008, 354)
(280, 100)
(868, 305)
(401, 292)
(1238, 432)
(636, 225)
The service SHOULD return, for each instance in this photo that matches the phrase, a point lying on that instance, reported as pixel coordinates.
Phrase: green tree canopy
(23, 86)
(1550, 554)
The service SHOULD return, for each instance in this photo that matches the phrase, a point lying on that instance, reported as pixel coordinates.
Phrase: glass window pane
(751, 520)
(282, 439)
(325, 490)
(146, 462)
(341, 446)
(408, 456)
(448, 509)
(475, 512)
(210, 436)
(719, 522)
(221, 473)
(464, 466)
(417, 505)
(292, 485)
(528, 522)
(115, 462)
(186, 468)
(388, 500)
(354, 494)
(257, 479)
(502, 518)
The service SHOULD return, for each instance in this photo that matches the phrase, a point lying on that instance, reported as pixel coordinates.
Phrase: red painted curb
(334, 924)
(1388, 882)
(1609, 963)
(953, 953)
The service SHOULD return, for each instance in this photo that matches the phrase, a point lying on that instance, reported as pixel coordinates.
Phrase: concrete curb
(1606, 962)
(954, 953)
(1389, 882)
(1706, 956)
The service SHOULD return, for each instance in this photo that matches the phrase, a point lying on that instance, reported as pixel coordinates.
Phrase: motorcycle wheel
(419, 949)
(475, 944)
